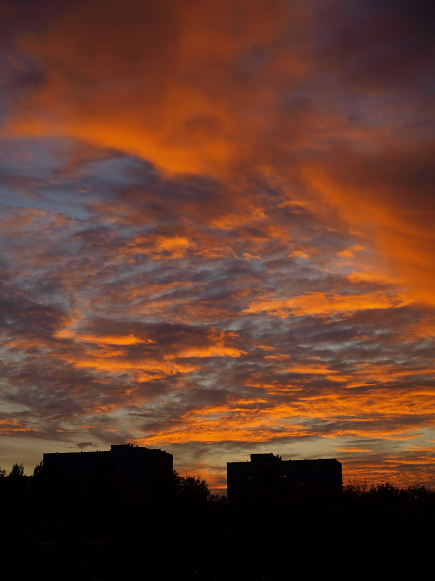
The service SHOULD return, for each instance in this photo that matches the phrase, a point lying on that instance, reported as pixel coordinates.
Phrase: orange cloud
(169, 64)
(386, 195)
(11, 426)
(108, 340)
(322, 304)
(352, 415)
(413, 467)
(114, 354)
(204, 94)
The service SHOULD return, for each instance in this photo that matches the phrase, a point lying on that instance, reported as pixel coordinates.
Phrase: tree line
(17, 470)
(99, 527)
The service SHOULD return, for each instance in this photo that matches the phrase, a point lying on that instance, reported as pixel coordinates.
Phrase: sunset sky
(217, 225)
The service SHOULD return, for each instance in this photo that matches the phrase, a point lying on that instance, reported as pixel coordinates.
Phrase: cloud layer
(216, 224)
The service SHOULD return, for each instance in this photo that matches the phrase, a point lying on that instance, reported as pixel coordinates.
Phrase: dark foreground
(99, 529)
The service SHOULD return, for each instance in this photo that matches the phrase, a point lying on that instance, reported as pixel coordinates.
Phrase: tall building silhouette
(269, 474)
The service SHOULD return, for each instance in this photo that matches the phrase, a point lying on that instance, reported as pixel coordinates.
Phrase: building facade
(138, 466)
(269, 474)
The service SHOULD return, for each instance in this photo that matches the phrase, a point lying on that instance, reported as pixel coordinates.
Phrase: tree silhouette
(38, 471)
(191, 488)
(17, 471)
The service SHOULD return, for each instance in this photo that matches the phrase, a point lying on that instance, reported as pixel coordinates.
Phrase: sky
(217, 232)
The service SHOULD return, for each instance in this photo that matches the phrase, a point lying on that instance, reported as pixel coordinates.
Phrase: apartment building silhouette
(269, 474)
(139, 466)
